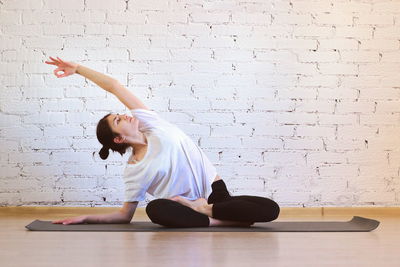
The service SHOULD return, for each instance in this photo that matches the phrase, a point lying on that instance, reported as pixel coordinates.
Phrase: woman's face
(124, 125)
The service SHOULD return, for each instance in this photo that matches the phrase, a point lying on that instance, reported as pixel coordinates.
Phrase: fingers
(52, 58)
(64, 62)
(56, 72)
(54, 61)
(60, 60)
(73, 220)
(65, 67)
(174, 198)
(66, 221)
(50, 63)
(60, 222)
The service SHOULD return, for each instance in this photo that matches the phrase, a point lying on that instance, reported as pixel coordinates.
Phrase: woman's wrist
(116, 217)
(78, 67)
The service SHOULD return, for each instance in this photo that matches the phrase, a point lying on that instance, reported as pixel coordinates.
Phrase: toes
(175, 198)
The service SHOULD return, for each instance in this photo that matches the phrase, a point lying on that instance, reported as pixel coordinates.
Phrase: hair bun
(104, 152)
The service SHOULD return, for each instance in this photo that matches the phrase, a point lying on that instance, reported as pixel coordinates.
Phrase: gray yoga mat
(356, 224)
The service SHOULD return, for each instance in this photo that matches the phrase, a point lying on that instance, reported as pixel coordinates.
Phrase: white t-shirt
(173, 165)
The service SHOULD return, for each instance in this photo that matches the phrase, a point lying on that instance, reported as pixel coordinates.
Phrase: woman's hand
(73, 220)
(67, 68)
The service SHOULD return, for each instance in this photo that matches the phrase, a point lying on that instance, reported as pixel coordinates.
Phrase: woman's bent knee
(268, 210)
(272, 213)
(153, 208)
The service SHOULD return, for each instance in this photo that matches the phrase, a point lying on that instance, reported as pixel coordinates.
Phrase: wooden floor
(20, 247)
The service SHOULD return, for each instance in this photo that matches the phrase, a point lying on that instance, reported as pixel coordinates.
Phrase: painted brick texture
(297, 101)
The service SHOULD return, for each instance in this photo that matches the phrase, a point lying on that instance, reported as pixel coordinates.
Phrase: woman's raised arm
(106, 82)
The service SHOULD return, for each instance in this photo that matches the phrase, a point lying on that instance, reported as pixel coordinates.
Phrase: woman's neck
(139, 144)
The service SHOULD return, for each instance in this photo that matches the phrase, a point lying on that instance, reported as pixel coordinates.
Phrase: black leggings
(251, 209)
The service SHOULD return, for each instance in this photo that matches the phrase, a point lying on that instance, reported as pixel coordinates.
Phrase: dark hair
(106, 137)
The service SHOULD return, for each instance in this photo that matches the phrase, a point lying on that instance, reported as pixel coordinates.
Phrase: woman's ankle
(205, 209)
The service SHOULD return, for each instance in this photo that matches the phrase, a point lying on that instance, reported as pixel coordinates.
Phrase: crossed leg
(171, 213)
(220, 209)
(224, 207)
(200, 205)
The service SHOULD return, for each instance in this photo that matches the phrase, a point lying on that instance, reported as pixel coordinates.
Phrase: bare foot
(201, 205)
(194, 204)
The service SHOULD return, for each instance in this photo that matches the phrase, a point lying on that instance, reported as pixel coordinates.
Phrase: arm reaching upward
(106, 82)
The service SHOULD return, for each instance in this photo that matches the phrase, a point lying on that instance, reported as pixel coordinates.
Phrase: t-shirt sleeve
(135, 194)
(148, 119)
(135, 189)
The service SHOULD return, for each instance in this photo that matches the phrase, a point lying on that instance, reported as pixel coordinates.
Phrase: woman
(165, 163)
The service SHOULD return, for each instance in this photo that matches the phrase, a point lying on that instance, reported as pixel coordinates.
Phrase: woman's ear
(119, 139)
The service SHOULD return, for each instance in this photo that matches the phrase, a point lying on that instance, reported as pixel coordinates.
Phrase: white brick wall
(294, 100)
